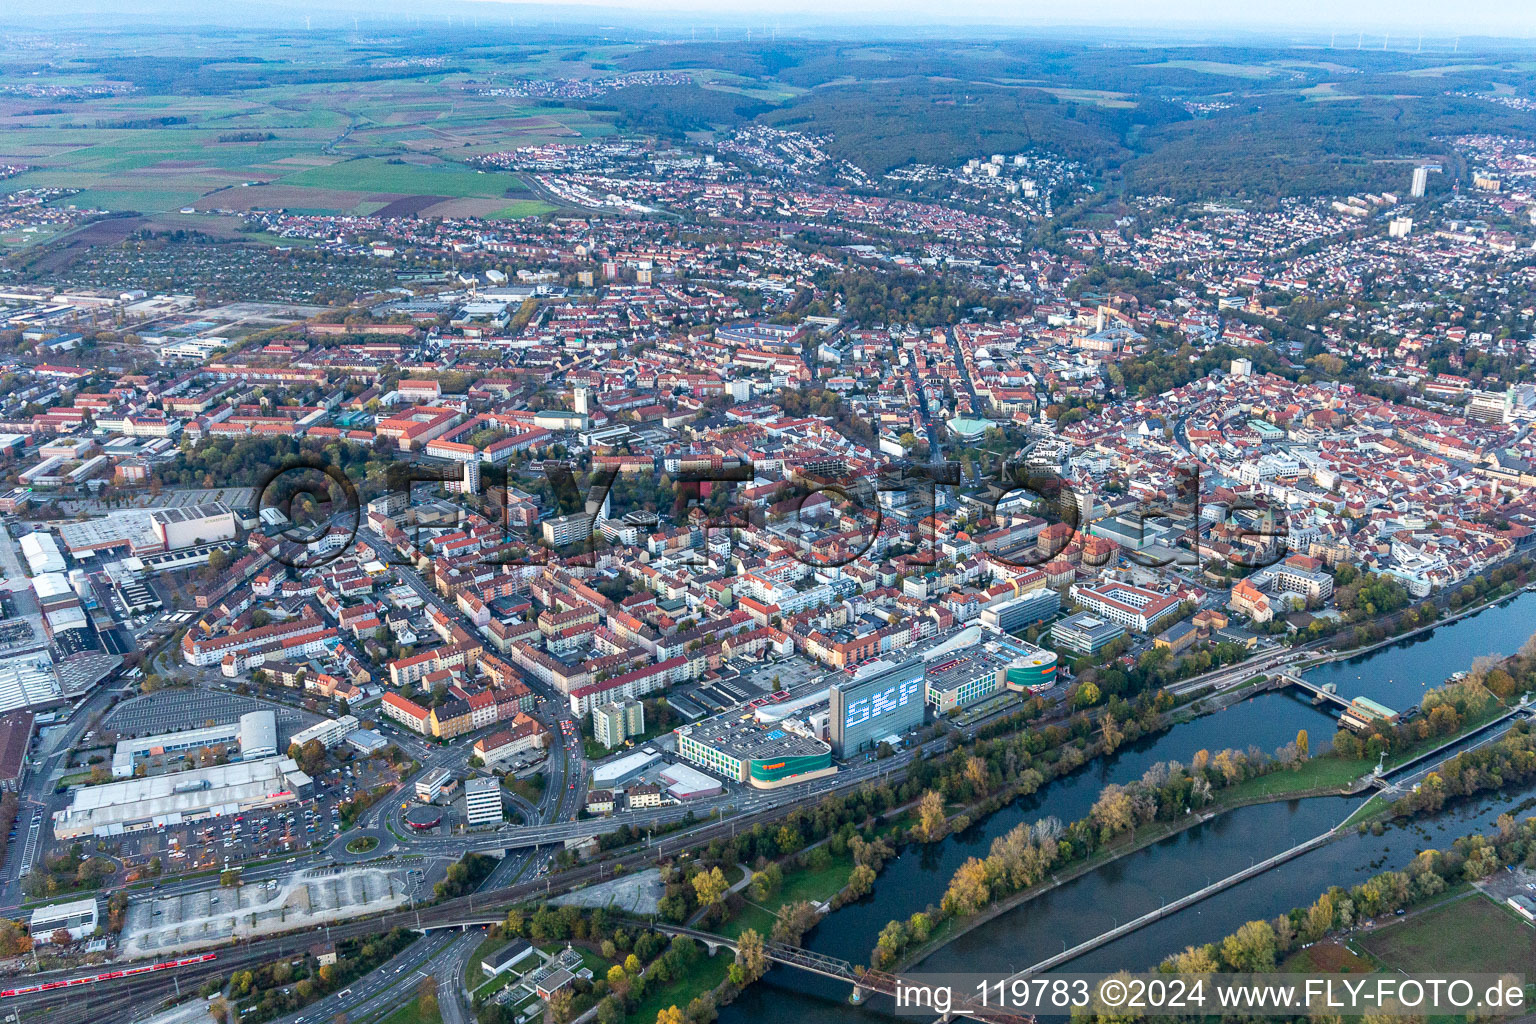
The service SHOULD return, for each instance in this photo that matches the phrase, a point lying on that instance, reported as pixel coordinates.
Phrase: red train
(164, 965)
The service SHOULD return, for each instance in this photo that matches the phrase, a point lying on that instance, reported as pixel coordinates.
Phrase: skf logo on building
(773, 767)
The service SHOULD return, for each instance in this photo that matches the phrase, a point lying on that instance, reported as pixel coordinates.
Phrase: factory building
(884, 700)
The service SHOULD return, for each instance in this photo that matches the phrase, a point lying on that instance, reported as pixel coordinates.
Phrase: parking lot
(731, 688)
(233, 840)
(165, 924)
(170, 710)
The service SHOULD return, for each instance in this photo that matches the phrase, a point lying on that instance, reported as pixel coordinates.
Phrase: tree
(794, 920)
(1250, 949)
(61, 937)
(967, 892)
(710, 886)
(14, 940)
(931, 823)
(562, 1006)
(671, 1015)
(1087, 696)
(1302, 744)
(751, 956)
(767, 882)
(426, 997)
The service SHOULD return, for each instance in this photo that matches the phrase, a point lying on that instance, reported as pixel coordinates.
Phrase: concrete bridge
(841, 970)
(1320, 694)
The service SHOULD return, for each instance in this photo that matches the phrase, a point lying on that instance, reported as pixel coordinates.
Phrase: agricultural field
(1467, 935)
(356, 147)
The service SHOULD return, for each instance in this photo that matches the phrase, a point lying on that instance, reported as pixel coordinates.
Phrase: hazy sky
(1465, 17)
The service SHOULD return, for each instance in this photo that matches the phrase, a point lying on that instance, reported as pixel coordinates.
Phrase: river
(1396, 675)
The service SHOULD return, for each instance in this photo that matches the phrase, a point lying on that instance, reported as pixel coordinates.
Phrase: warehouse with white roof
(42, 553)
(135, 804)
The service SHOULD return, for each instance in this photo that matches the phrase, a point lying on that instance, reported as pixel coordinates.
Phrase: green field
(373, 174)
(806, 884)
(707, 972)
(1318, 773)
(1470, 935)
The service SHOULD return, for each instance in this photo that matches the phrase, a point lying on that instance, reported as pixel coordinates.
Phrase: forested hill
(1188, 122)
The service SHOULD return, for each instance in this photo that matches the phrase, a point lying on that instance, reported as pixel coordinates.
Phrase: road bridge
(1320, 694)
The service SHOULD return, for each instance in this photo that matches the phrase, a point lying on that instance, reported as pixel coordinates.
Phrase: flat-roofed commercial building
(1085, 633)
(254, 735)
(78, 917)
(884, 700)
(329, 732)
(15, 739)
(136, 804)
(1008, 616)
(436, 783)
(482, 802)
(741, 749)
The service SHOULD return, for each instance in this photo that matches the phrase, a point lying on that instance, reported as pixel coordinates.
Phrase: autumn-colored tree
(931, 825)
(1303, 744)
(1250, 949)
(1194, 960)
(751, 955)
(562, 1006)
(1113, 734)
(967, 892)
(710, 886)
(426, 997)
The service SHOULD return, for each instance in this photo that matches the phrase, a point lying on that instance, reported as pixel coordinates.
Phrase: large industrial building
(254, 734)
(739, 748)
(135, 804)
(42, 553)
(884, 700)
(28, 679)
(145, 532)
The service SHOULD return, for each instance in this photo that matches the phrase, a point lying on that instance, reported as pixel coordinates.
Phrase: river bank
(1091, 902)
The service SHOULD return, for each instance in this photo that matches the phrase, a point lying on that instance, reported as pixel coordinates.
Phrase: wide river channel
(1396, 675)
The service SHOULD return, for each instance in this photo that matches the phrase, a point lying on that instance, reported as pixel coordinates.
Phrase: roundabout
(360, 845)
